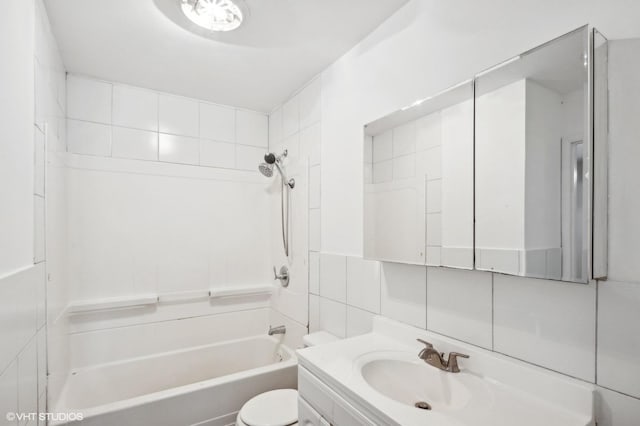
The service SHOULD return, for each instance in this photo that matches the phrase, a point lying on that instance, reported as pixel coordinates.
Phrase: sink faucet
(281, 329)
(436, 359)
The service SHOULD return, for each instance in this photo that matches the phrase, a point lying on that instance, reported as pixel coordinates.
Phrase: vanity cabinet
(318, 405)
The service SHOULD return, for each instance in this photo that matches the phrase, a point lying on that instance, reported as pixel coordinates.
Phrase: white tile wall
(179, 149)
(383, 146)
(404, 139)
(134, 144)
(217, 154)
(459, 305)
(88, 99)
(616, 409)
(39, 229)
(314, 229)
(310, 143)
(363, 284)
(314, 313)
(290, 117)
(248, 157)
(218, 123)
(358, 321)
(179, 116)
(333, 317)
(314, 187)
(314, 273)
(252, 129)
(310, 103)
(135, 123)
(89, 138)
(404, 293)
(135, 108)
(333, 277)
(619, 337)
(555, 332)
(39, 163)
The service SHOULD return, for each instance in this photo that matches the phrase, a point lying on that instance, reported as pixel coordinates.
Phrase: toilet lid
(274, 408)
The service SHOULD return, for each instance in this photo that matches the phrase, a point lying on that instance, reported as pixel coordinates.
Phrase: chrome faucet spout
(281, 329)
(436, 359)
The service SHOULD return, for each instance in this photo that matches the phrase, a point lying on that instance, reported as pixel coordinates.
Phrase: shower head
(266, 169)
(270, 158)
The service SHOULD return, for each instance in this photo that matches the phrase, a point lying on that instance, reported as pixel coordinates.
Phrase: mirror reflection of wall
(531, 195)
(419, 182)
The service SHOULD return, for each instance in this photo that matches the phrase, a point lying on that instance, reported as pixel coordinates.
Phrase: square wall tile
(38, 229)
(9, 392)
(333, 317)
(134, 144)
(314, 229)
(314, 313)
(310, 144)
(619, 336)
(28, 378)
(363, 284)
(404, 139)
(135, 108)
(275, 127)
(217, 122)
(615, 409)
(310, 103)
(179, 149)
(383, 171)
(314, 272)
(403, 167)
(459, 305)
(217, 154)
(39, 161)
(404, 293)
(248, 157)
(428, 132)
(88, 99)
(314, 187)
(290, 117)
(252, 128)
(178, 116)
(547, 323)
(358, 321)
(434, 196)
(89, 138)
(383, 146)
(333, 277)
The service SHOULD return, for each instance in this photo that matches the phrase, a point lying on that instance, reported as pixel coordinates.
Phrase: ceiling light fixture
(214, 15)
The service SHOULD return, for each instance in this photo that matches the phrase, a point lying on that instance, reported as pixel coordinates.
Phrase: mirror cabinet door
(532, 163)
(418, 182)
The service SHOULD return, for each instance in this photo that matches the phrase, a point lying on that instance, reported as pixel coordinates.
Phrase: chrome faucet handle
(452, 362)
(283, 276)
(424, 342)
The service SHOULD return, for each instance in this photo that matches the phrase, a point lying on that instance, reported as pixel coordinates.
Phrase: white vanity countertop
(510, 392)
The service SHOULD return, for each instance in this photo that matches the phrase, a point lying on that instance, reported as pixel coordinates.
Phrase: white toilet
(278, 407)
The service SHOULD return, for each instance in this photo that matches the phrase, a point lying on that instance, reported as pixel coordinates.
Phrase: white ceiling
(281, 45)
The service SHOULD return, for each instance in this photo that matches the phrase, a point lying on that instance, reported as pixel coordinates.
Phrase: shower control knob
(283, 276)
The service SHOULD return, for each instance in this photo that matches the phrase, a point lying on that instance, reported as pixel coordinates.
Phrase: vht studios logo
(23, 417)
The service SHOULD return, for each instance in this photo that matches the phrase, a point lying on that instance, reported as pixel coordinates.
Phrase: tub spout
(281, 329)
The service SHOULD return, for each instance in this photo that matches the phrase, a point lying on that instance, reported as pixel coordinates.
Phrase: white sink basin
(414, 383)
(404, 378)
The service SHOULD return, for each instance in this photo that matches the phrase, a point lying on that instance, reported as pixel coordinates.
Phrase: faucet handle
(427, 344)
(452, 362)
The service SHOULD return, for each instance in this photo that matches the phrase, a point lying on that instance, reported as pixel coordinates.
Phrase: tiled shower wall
(295, 126)
(113, 120)
(23, 352)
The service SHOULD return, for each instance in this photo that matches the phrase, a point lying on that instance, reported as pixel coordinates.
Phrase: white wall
(30, 110)
(428, 46)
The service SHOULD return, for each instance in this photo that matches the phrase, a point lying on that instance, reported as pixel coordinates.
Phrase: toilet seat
(273, 408)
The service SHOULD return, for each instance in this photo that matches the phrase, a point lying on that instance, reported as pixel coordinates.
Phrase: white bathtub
(202, 385)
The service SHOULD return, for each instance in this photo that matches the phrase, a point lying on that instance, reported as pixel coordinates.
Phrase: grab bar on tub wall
(241, 290)
(183, 296)
(110, 303)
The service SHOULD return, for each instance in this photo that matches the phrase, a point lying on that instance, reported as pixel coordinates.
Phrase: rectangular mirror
(418, 182)
(533, 160)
